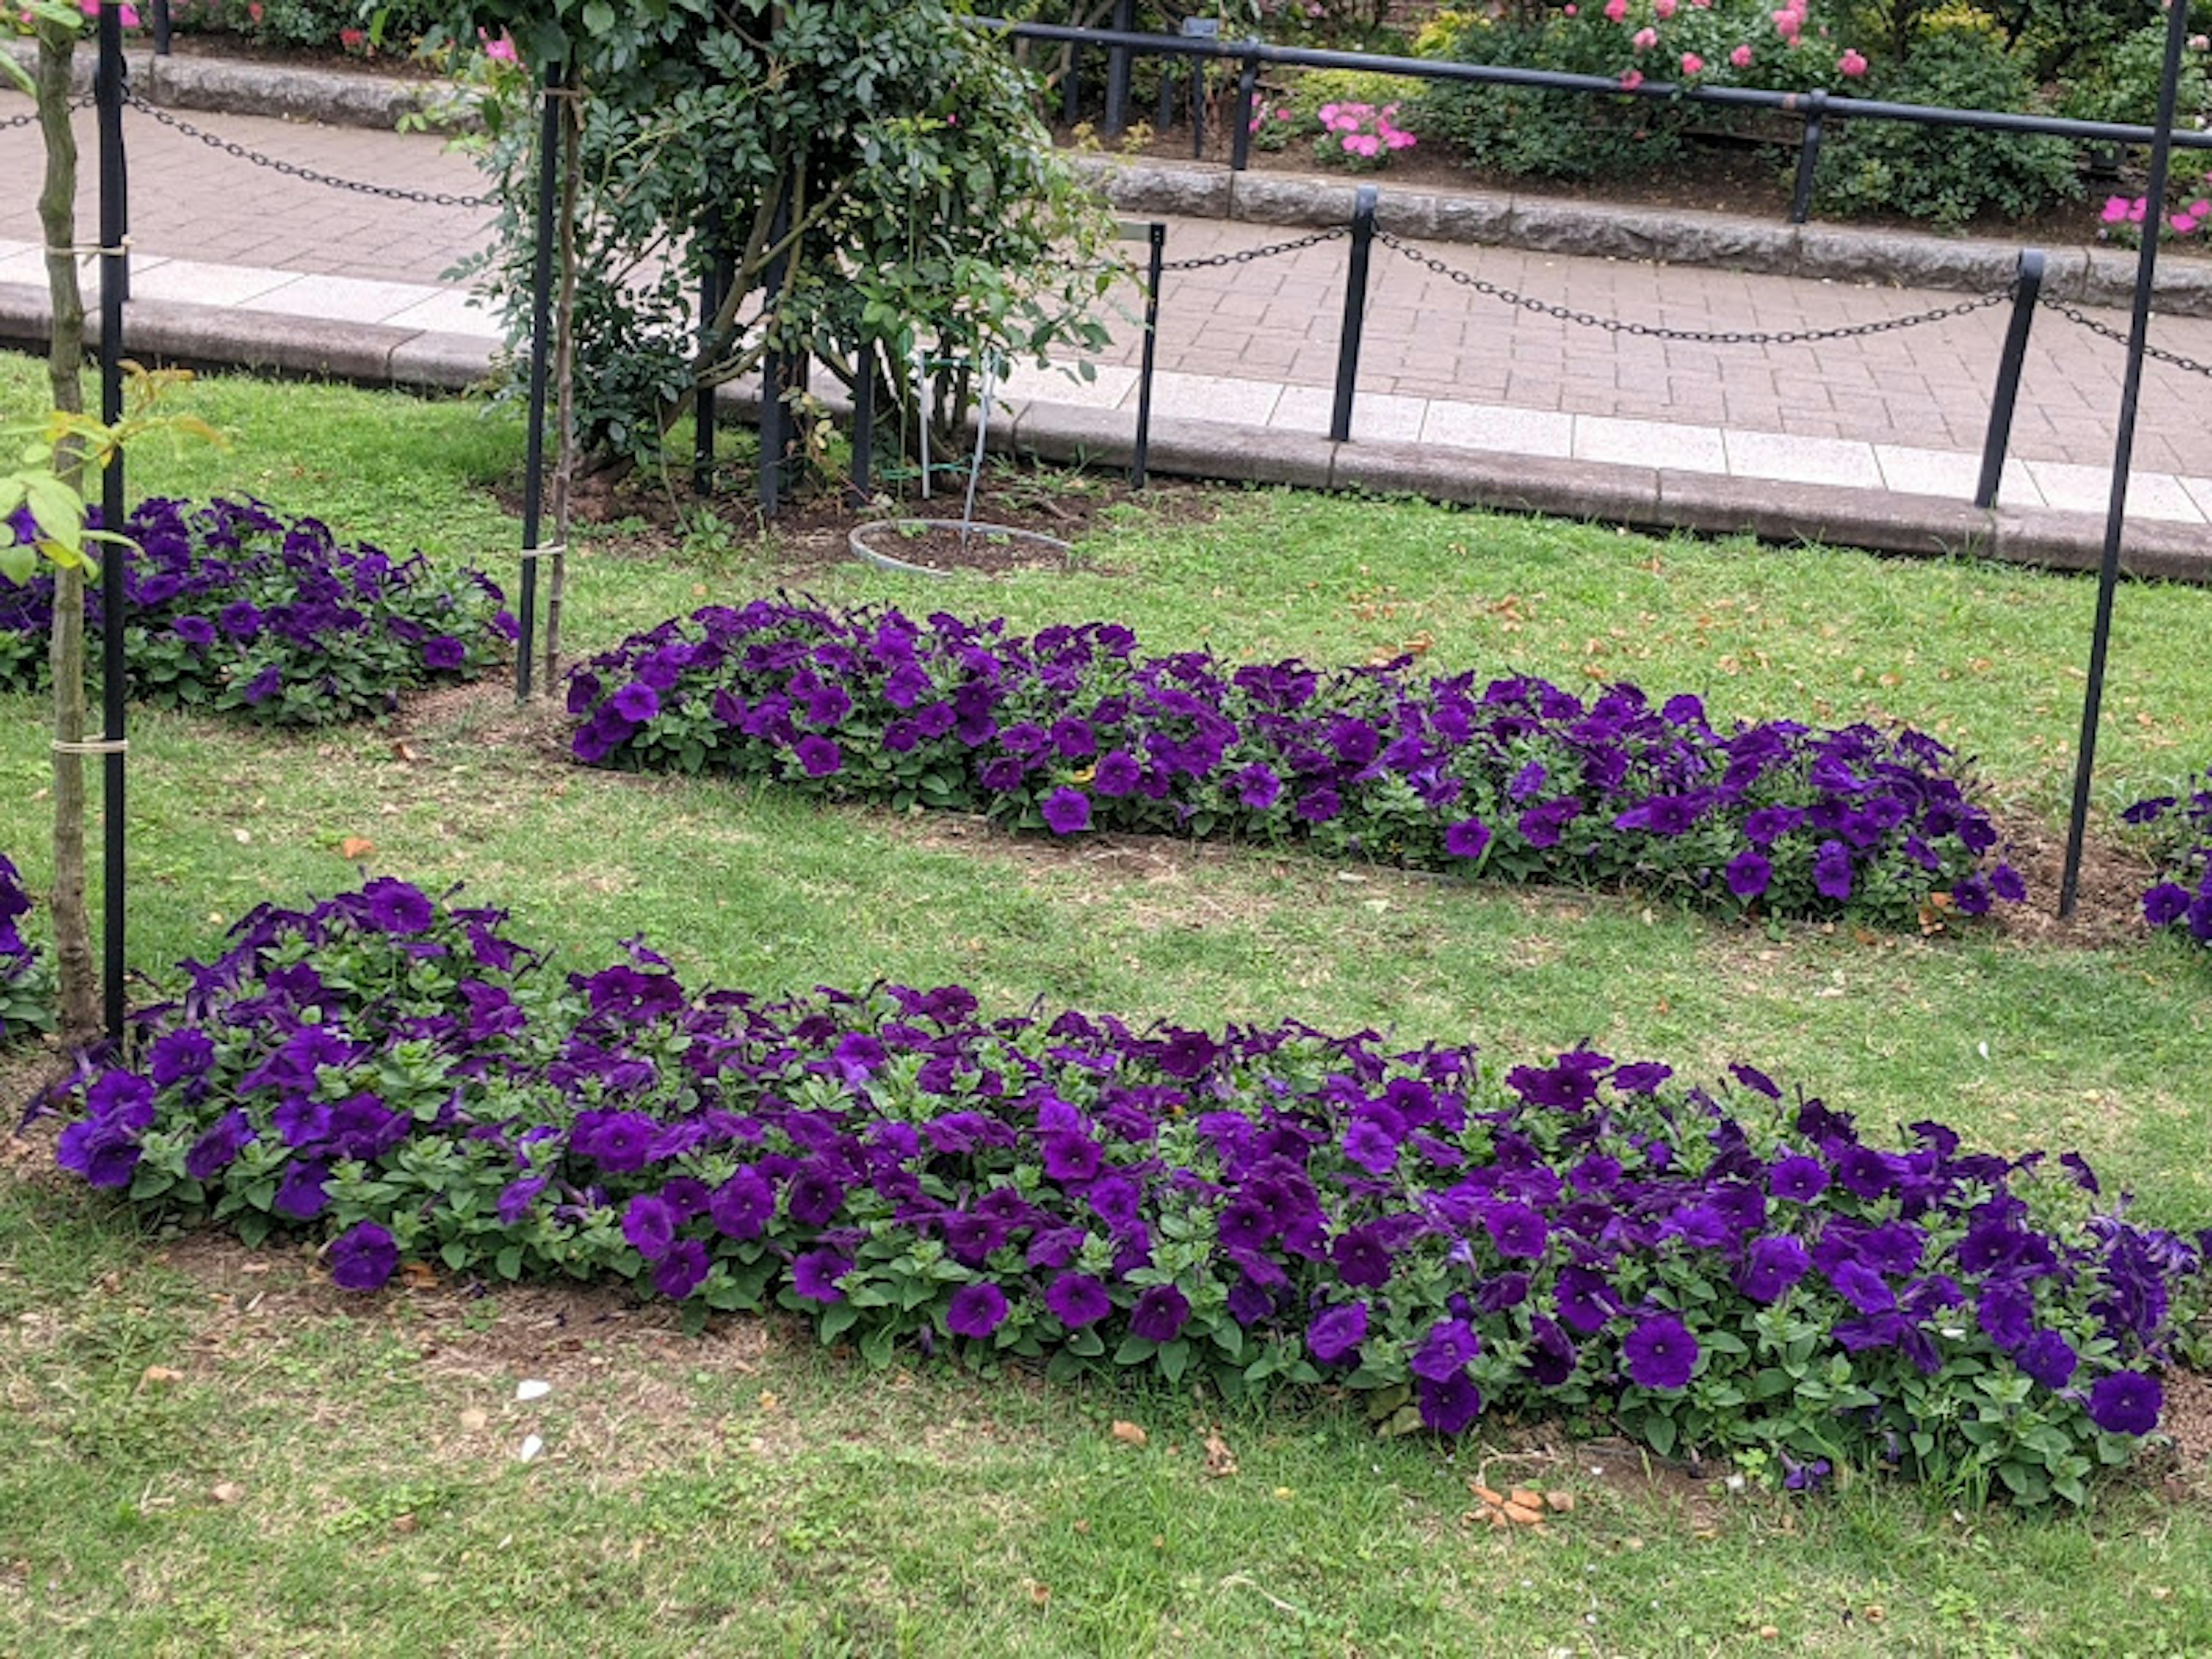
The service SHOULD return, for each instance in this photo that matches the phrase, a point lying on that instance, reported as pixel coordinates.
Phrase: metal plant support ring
(857, 538)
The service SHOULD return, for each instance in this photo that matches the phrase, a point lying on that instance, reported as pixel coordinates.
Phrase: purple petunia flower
(1118, 774)
(1770, 1267)
(1797, 1179)
(815, 1274)
(650, 1226)
(1077, 1300)
(1832, 870)
(1258, 787)
(514, 1201)
(1363, 1259)
(1066, 812)
(2049, 1358)
(1446, 1350)
(637, 703)
(219, 1147)
(2126, 1402)
(363, 1257)
(818, 757)
(1450, 1405)
(1337, 1332)
(1748, 873)
(445, 654)
(682, 1271)
(1660, 1352)
(1159, 1313)
(1467, 839)
(1517, 1229)
(975, 1309)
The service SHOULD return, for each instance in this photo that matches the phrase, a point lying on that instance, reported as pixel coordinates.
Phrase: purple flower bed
(234, 608)
(26, 986)
(1073, 731)
(2181, 898)
(1444, 1237)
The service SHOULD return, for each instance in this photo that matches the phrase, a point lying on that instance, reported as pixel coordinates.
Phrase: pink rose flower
(1663, 8)
(2115, 210)
(1645, 39)
(1615, 10)
(1851, 63)
(1630, 79)
(1741, 58)
(1692, 63)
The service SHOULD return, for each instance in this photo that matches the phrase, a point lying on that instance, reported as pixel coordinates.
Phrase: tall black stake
(2124, 450)
(114, 284)
(541, 329)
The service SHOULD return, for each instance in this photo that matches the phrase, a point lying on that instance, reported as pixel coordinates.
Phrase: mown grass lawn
(333, 1474)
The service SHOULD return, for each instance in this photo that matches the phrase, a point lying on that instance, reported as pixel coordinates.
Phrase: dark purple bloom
(815, 1274)
(1747, 874)
(637, 703)
(2126, 1402)
(814, 1197)
(2049, 1358)
(650, 1226)
(1077, 1300)
(1771, 1267)
(1517, 1229)
(1467, 839)
(1363, 1259)
(2005, 1313)
(1797, 1179)
(1832, 870)
(1319, 806)
(1862, 1286)
(1660, 1352)
(1159, 1313)
(514, 1201)
(363, 1257)
(1066, 812)
(445, 654)
(1336, 1332)
(1118, 774)
(1450, 1405)
(1446, 1350)
(682, 1271)
(2166, 904)
(219, 1146)
(302, 1195)
(177, 1055)
(1258, 787)
(975, 1309)
(818, 757)
(397, 907)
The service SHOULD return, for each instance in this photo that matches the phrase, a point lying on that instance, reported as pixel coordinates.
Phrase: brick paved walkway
(1257, 341)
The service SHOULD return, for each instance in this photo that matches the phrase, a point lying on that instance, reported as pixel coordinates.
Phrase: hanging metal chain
(85, 101)
(294, 170)
(1248, 256)
(2075, 314)
(1692, 335)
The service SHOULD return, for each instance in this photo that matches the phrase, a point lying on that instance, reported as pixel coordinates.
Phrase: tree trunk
(78, 975)
(564, 375)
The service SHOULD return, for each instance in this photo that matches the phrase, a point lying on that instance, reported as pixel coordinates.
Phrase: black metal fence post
(114, 288)
(772, 428)
(1156, 235)
(1355, 313)
(1240, 141)
(541, 331)
(1118, 60)
(863, 424)
(711, 296)
(160, 29)
(2026, 288)
(1809, 158)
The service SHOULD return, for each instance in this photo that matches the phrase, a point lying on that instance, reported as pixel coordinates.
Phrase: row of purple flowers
(235, 608)
(24, 1003)
(1443, 1236)
(1072, 730)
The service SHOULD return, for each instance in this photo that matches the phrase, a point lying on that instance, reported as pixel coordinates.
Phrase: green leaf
(1659, 1434)
(1135, 1350)
(878, 1346)
(1175, 1358)
(508, 1262)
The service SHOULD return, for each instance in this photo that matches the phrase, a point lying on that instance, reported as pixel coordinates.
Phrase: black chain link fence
(294, 170)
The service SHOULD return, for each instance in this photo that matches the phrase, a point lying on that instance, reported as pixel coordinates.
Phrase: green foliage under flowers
(1586, 1239)
(27, 981)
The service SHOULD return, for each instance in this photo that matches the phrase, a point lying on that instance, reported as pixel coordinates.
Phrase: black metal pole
(1240, 141)
(710, 300)
(541, 331)
(1197, 109)
(863, 424)
(2124, 450)
(1809, 158)
(1156, 235)
(1071, 87)
(161, 27)
(2026, 287)
(1117, 71)
(1355, 313)
(114, 285)
(772, 429)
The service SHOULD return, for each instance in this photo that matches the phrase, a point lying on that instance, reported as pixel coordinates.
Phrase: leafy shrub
(2181, 898)
(1949, 175)
(2122, 85)
(26, 982)
(354, 25)
(1072, 730)
(234, 608)
(1724, 1271)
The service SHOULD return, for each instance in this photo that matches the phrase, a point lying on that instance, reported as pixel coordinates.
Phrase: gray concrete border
(1646, 498)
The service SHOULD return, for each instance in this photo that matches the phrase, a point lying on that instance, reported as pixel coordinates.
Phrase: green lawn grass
(750, 1493)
